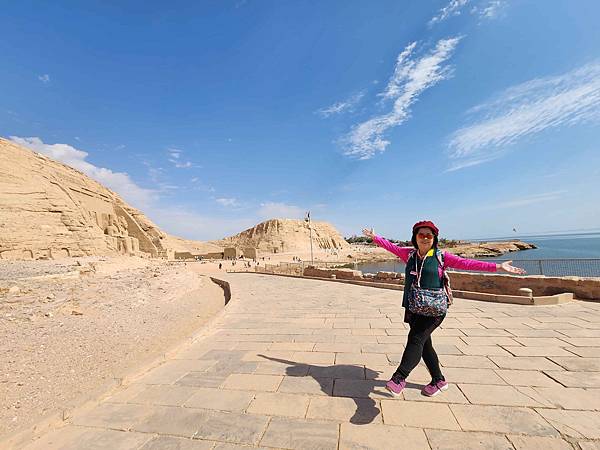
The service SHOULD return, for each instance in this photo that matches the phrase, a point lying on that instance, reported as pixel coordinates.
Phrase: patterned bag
(428, 302)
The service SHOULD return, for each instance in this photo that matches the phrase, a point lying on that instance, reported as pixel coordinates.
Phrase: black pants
(419, 345)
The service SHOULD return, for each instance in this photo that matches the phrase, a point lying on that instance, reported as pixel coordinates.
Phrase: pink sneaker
(434, 388)
(395, 388)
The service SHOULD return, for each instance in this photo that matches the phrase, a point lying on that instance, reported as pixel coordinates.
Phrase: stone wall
(583, 288)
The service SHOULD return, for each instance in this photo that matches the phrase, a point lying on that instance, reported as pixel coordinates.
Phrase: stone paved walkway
(301, 364)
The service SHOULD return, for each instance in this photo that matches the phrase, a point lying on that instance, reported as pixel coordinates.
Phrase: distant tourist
(426, 298)
(220, 266)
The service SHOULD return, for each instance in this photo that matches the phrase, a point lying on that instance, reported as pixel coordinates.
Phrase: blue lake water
(563, 247)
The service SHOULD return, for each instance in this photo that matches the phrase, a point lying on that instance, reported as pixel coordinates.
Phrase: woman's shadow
(366, 407)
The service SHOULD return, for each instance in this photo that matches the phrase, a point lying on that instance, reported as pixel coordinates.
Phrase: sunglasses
(425, 235)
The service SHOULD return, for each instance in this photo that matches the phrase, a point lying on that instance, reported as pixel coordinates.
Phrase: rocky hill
(50, 210)
(287, 235)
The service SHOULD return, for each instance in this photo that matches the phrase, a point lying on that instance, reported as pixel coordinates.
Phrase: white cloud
(272, 210)
(175, 159)
(45, 78)
(344, 106)
(120, 182)
(527, 109)
(451, 9)
(411, 77)
(227, 201)
(490, 10)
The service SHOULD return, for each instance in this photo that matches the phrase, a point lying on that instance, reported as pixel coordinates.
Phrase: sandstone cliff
(50, 210)
(287, 235)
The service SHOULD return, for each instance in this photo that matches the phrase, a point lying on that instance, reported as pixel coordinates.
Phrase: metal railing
(579, 267)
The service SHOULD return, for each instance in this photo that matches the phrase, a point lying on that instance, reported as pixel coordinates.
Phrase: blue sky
(212, 116)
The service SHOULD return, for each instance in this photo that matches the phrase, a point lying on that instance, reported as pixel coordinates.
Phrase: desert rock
(50, 210)
(287, 235)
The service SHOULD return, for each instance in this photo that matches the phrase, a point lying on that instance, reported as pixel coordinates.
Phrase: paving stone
(262, 356)
(219, 399)
(483, 394)
(456, 440)
(276, 368)
(576, 363)
(576, 379)
(300, 434)
(367, 359)
(171, 420)
(528, 332)
(483, 350)
(278, 404)
(338, 371)
(581, 333)
(577, 424)
(111, 415)
(451, 395)
(201, 379)
(524, 363)
(252, 382)
(229, 366)
(314, 338)
(397, 342)
(501, 419)
(546, 443)
(77, 438)
(541, 341)
(537, 351)
(171, 371)
(472, 362)
(378, 437)
(341, 409)
(489, 332)
(526, 378)
(335, 347)
(418, 414)
(466, 375)
(176, 443)
(586, 352)
(486, 341)
(447, 349)
(163, 395)
(306, 385)
(320, 358)
(292, 346)
(256, 346)
(224, 446)
(583, 341)
(125, 393)
(358, 340)
(570, 398)
(360, 388)
(368, 332)
(204, 424)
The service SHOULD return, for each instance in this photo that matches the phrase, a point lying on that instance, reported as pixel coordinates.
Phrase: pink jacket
(450, 261)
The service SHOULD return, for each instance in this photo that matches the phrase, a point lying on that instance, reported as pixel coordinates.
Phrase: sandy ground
(64, 334)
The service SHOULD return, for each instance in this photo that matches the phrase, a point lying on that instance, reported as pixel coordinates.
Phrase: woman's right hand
(368, 232)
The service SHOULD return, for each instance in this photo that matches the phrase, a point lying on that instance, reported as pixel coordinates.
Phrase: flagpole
(312, 261)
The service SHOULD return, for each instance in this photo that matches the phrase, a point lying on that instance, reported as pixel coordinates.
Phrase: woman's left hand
(508, 267)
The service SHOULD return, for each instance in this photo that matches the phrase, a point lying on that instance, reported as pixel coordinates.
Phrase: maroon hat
(426, 224)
